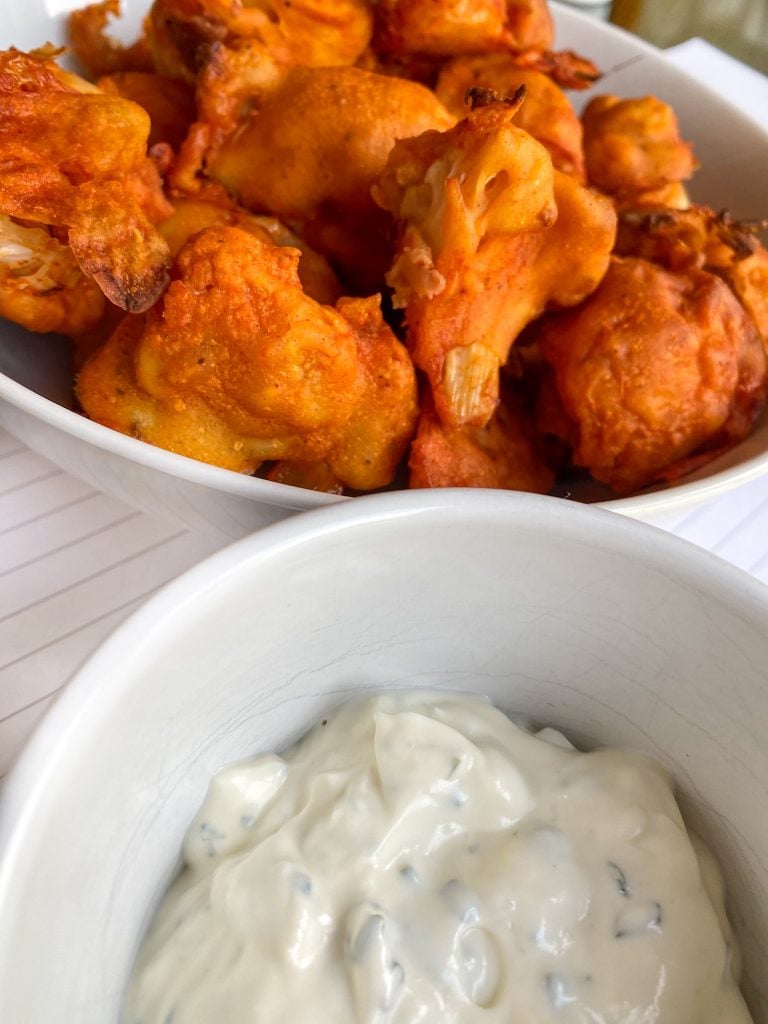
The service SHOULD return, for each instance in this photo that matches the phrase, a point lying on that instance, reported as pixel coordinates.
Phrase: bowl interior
(612, 631)
(732, 150)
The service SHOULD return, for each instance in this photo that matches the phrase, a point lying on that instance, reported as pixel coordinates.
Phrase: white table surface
(75, 562)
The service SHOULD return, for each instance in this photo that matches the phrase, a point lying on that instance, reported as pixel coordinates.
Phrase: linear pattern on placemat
(73, 564)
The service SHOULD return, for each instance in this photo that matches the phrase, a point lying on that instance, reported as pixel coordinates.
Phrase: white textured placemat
(74, 562)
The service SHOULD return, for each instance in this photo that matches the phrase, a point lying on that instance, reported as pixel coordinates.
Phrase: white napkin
(746, 88)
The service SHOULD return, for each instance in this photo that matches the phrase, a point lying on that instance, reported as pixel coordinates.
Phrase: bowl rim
(105, 674)
(253, 488)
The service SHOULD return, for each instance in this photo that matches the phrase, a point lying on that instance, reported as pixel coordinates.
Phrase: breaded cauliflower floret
(491, 237)
(699, 237)
(236, 365)
(316, 33)
(546, 114)
(634, 152)
(192, 214)
(77, 161)
(657, 372)
(444, 28)
(377, 434)
(312, 152)
(41, 286)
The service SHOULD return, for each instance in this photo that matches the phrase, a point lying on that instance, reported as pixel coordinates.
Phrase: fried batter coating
(503, 454)
(546, 114)
(109, 393)
(313, 151)
(377, 434)
(232, 84)
(317, 33)
(567, 69)
(41, 286)
(77, 161)
(699, 237)
(191, 215)
(236, 365)
(634, 152)
(445, 28)
(748, 279)
(653, 369)
(492, 236)
(169, 103)
(95, 50)
(530, 25)
(313, 476)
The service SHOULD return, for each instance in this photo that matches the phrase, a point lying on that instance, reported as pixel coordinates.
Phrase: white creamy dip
(419, 858)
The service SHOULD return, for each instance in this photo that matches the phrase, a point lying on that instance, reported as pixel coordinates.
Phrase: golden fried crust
(235, 350)
(41, 286)
(699, 237)
(652, 369)
(191, 215)
(491, 236)
(78, 161)
(317, 33)
(748, 279)
(29, 73)
(124, 255)
(236, 365)
(546, 114)
(170, 104)
(233, 83)
(444, 28)
(322, 138)
(108, 392)
(567, 69)
(47, 144)
(180, 31)
(378, 432)
(313, 151)
(94, 48)
(634, 152)
(236, 330)
(501, 455)
(530, 25)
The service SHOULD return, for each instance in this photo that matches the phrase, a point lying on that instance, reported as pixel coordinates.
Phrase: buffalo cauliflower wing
(656, 371)
(634, 152)
(546, 114)
(444, 28)
(314, 148)
(491, 237)
(236, 365)
(316, 33)
(699, 237)
(192, 214)
(77, 162)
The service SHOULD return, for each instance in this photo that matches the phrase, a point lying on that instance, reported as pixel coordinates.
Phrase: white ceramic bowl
(35, 381)
(611, 630)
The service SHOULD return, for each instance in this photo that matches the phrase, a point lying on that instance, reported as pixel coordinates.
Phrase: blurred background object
(596, 8)
(740, 27)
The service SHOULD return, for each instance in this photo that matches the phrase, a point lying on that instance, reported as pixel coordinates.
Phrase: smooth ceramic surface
(35, 379)
(611, 630)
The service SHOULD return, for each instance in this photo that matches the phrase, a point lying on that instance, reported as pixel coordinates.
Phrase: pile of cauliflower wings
(350, 245)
